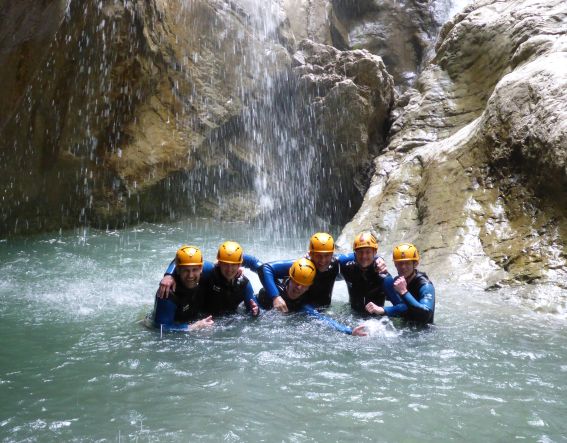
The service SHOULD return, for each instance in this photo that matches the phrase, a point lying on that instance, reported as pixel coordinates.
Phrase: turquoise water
(75, 364)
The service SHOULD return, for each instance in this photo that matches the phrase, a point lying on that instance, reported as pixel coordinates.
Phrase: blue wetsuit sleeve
(345, 258)
(251, 262)
(269, 272)
(165, 315)
(171, 268)
(395, 310)
(312, 312)
(398, 306)
(249, 295)
(426, 298)
(207, 268)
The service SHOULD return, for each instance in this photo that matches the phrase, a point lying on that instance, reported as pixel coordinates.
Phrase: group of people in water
(194, 291)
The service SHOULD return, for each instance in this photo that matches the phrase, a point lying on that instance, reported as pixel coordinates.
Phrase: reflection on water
(76, 365)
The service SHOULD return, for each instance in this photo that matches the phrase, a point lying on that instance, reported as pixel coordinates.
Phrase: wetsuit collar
(412, 276)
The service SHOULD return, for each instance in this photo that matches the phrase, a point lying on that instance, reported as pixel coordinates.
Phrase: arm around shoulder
(268, 274)
(251, 262)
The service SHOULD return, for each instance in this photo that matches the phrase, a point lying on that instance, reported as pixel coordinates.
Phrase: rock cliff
(122, 112)
(110, 104)
(475, 172)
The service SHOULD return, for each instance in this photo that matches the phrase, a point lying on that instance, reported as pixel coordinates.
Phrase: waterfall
(263, 164)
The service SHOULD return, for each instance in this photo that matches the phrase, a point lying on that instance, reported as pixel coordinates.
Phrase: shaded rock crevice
(400, 33)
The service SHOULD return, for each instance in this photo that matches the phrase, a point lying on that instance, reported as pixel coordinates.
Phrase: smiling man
(226, 286)
(365, 276)
(183, 307)
(411, 286)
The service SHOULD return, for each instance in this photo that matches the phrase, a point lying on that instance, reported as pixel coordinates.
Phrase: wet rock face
(309, 19)
(122, 112)
(348, 96)
(399, 32)
(475, 171)
(113, 104)
(25, 29)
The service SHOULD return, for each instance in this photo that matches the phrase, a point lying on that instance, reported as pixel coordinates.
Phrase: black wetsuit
(364, 285)
(184, 305)
(320, 292)
(223, 297)
(420, 299)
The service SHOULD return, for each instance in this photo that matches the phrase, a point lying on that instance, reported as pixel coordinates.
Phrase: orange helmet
(302, 272)
(230, 252)
(189, 256)
(321, 242)
(405, 252)
(365, 240)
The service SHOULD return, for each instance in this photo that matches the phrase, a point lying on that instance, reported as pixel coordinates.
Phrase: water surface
(76, 366)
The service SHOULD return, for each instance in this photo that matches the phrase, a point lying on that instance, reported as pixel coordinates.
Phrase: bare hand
(374, 309)
(166, 285)
(254, 308)
(359, 331)
(400, 285)
(201, 324)
(380, 266)
(279, 304)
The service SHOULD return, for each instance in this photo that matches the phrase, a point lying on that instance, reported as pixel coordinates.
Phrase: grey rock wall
(349, 96)
(475, 174)
(399, 32)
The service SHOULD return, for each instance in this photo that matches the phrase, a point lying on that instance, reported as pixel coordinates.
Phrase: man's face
(294, 291)
(365, 256)
(406, 268)
(322, 260)
(190, 275)
(228, 270)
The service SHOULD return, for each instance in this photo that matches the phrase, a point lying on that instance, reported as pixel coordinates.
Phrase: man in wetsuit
(327, 264)
(364, 277)
(293, 291)
(411, 286)
(184, 305)
(226, 287)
